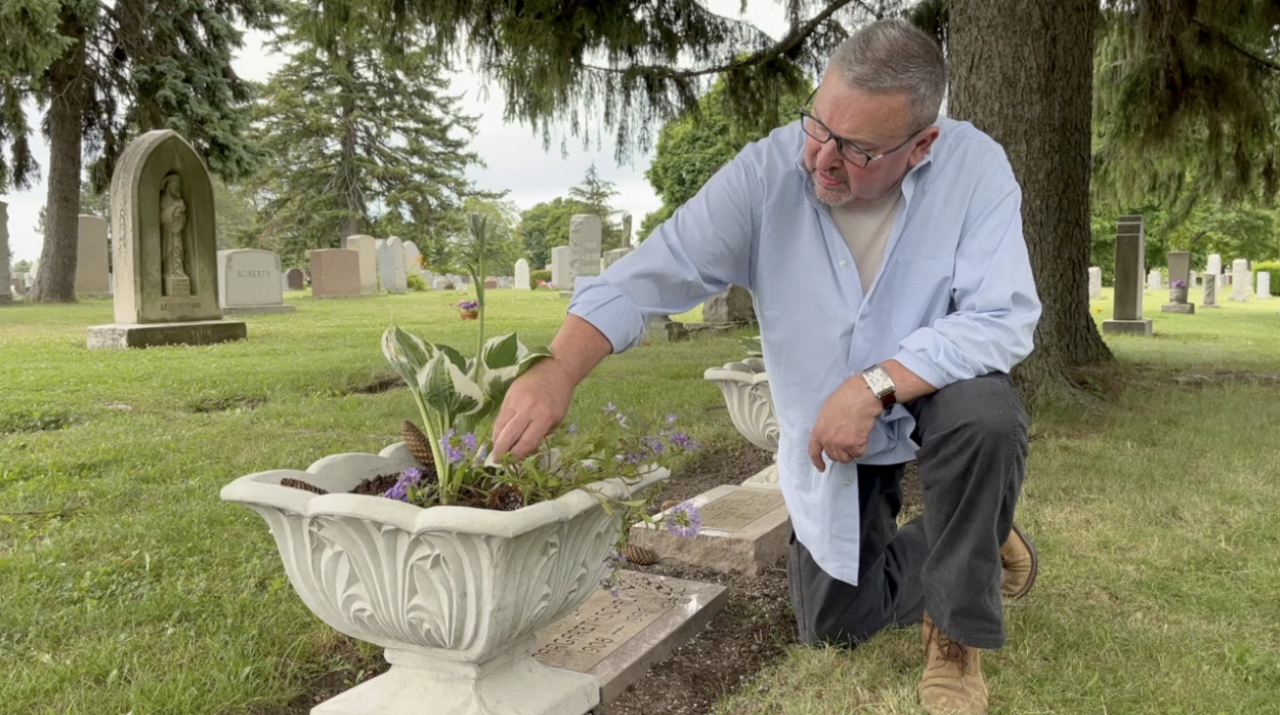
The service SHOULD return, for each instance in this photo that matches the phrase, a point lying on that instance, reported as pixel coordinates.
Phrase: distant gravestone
(731, 306)
(1209, 291)
(1214, 265)
(585, 238)
(92, 280)
(392, 273)
(364, 246)
(745, 529)
(412, 258)
(490, 282)
(6, 280)
(1179, 263)
(611, 257)
(561, 274)
(1127, 289)
(522, 274)
(335, 273)
(249, 282)
(1240, 280)
(1264, 285)
(1095, 283)
(295, 279)
(1179, 284)
(616, 640)
(1154, 279)
(1192, 279)
(165, 249)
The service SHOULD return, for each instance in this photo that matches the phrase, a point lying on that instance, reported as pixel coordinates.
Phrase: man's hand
(844, 423)
(534, 405)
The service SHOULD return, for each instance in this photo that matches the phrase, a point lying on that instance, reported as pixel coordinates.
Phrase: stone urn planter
(745, 386)
(454, 594)
(1178, 295)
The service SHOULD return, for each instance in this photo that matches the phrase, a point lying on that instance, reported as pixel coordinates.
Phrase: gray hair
(896, 57)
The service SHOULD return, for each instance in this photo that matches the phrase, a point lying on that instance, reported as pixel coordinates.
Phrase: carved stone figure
(173, 219)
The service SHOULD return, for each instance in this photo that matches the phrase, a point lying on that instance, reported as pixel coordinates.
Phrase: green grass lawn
(127, 586)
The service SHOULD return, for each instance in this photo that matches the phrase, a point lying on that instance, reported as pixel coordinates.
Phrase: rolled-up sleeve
(701, 250)
(992, 326)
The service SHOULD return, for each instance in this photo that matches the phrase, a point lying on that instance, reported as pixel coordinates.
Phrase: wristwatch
(881, 385)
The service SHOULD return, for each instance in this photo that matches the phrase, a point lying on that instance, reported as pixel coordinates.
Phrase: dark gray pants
(972, 458)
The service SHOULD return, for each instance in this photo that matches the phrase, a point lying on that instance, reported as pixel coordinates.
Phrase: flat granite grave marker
(249, 282)
(745, 529)
(616, 640)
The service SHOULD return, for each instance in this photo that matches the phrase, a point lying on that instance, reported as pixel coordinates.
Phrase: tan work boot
(1018, 559)
(952, 683)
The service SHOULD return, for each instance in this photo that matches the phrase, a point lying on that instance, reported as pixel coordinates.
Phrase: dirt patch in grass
(227, 403)
(754, 629)
(389, 381)
(24, 421)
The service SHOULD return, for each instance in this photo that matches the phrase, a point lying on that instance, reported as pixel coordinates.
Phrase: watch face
(879, 382)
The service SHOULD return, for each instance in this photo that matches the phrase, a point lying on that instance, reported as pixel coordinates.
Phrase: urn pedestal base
(510, 684)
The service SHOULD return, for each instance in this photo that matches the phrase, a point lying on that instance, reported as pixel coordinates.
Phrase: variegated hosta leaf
(498, 380)
(447, 389)
(454, 356)
(405, 352)
(502, 351)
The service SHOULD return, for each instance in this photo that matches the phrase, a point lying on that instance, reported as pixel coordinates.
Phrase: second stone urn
(745, 386)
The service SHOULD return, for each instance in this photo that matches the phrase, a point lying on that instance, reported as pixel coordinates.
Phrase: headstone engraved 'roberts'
(1240, 282)
(585, 236)
(364, 246)
(745, 529)
(616, 640)
(1263, 291)
(335, 273)
(6, 281)
(249, 282)
(1127, 288)
(295, 279)
(164, 249)
(561, 274)
(92, 279)
(1095, 282)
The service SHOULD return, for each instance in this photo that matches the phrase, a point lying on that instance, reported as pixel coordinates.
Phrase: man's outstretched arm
(538, 400)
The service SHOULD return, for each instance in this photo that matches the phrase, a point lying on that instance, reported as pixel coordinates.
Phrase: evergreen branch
(792, 40)
(1222, 37)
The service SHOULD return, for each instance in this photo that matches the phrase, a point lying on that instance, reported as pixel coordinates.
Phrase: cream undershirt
(865, 230)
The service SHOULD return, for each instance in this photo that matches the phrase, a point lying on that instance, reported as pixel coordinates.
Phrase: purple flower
(683, 520)
(400, 491)
(412, 475)
(655, 444)
(455, 455)
(671, 419)
(468, 305)
(682, 440)
(469, 441)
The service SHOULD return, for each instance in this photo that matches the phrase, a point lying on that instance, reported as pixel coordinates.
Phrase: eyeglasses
(849, 151)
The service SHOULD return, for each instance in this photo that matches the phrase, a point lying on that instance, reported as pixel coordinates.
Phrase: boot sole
(1035, 565)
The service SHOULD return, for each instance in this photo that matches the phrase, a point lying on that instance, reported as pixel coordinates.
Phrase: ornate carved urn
(454, 594)
(745, 386)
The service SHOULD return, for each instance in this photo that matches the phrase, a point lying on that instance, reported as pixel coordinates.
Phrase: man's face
(875, 124)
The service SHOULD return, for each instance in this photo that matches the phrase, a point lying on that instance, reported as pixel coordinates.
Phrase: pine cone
(420, 447)
(639, 555)
(505, 497)
(299, 484)
(669, 503)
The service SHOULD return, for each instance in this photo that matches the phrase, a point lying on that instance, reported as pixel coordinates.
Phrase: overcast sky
(515, 159)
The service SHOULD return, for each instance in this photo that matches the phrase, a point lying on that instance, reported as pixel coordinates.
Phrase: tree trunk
(1022, 71)
(348, 182)
(56, 280)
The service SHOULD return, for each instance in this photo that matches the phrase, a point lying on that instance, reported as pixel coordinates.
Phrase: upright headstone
(249, 282)
(1095, 282)
(335, 273)
(731, 306)
(561, 273)
(1240, 279)
(585, 237)
(1214, 265)
(1209, 291)
(1154, 279)
(391, 268)
(6, 286)
(611, 257)
(1179, 283)
(1130, 254)
(364, 247)
(91, 258)
(295, 279)
(1192, 279)
(165, 249)
(1264, 285)
(522, 274)
(1179, 267)
(412, 258)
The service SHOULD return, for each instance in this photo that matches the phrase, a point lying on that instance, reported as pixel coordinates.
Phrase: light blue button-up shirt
(954, 298)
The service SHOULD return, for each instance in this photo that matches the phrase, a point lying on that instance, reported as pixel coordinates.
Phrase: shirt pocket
(921, 292)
